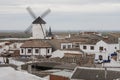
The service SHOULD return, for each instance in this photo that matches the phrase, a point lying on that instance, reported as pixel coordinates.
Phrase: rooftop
(8, 73)
(39, 20)
(63, 73)
(95, 73)
(36, 44)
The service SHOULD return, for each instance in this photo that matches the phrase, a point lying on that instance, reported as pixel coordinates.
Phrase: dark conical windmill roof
(39, 20)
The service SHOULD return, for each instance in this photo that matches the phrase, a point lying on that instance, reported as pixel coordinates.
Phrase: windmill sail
(39, 19)
(31, 12)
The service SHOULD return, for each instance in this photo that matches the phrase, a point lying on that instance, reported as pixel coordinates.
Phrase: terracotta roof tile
(36, 44)
(94, 74)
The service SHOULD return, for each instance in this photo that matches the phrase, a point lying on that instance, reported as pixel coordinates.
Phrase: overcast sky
(65, 14)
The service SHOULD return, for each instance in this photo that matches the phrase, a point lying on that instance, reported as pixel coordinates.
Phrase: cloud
(19, 2)
(80, 6)
(86, 8)
(72, 14)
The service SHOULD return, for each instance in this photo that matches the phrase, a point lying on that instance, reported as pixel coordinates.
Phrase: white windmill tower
(38, 25)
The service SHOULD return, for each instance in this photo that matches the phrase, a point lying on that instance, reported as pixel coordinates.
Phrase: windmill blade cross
(35, 17)
(28, 29)
(31, 12)
(45, 13)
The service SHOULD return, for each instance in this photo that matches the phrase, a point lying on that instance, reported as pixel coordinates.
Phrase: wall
(55, 77)
(37, 32)
(42, 51)
(66, 44)
(108, 49)
(72, 55)
(88, 50)
(61, 53)
(13, 46)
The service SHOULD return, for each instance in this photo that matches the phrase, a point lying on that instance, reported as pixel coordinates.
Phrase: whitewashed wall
(101, 44)
(42, 51)
(37, 32)
(60, 53)
(66, 44)
(9, 47)
(88, 50)
(15, 45)
(110, 48)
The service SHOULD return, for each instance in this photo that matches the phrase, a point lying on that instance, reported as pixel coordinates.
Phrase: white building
(62, 53)
(38, 29)
(101, 49)
(7, 46)
(66, 45)
(36, 48)
(8, 73)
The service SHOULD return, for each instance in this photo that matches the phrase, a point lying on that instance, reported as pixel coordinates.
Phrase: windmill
(38, 25)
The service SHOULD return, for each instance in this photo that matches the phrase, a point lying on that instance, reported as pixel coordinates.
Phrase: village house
(60, 47)
(9, 47)
(92, 43)
(36, 48)
(65, 44)
(102, 49)
(75, 44)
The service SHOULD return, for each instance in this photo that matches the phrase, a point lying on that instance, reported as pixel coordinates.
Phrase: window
(29, 51)
(105, 49)
(100, 57)
(84, 47)
(101, 48)
(22, 51)
(69, 46)
(36, 50)
(48, 50)
(76, 44)
(64, 46)
(92, 47)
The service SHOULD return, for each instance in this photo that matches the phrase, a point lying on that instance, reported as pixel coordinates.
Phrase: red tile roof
(36, 44)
